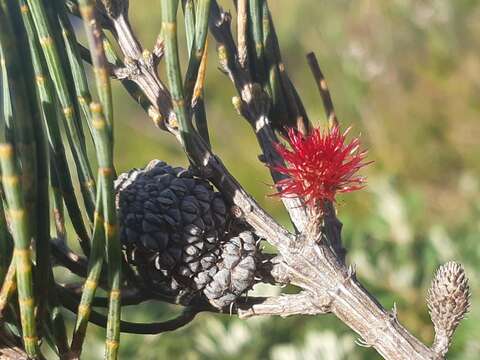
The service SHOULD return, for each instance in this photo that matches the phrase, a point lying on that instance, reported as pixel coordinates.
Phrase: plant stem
(5, 241)
(9, 286)
(100, 64)
(58, 158)
(60, 83)
(22, 254)
(195, 75)
(21, 105)
(113, 249)
(75, 64)
(323, 90)
(95, 263)
(169, 29)
(255, 28)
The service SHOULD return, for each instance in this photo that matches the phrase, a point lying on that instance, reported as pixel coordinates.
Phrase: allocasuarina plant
(188, 237)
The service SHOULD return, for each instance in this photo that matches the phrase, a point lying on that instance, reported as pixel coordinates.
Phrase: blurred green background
(406, 75)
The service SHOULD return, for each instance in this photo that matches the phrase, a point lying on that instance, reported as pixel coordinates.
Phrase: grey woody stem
(140, 66)
(315, 267)
(285, 305)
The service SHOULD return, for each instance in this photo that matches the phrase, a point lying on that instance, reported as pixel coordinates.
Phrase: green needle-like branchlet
(189, 15)
(113, 250)
(196, 24)
(58, 36)
(20, 217)
(56, 72)
(21, 231)
(48, 304)
(7, 133)
(279, 111)
(169, 29)
(5, 242)
(294, 106)
(94, 270)
(103, 135)
(7, 111)
(75, 63)
(256, 56)
(57, 151)
(58, 213)
(20, 105)
(99, 60)
(103, 138)
(9, 285)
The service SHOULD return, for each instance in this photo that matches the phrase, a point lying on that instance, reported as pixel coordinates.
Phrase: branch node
(351, 272)
(322, 302)
(278, 271)
(393, 315)
(362, 343)
(257, 103)
(158, 50)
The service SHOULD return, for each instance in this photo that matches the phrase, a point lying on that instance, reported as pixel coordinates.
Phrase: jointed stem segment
(22, 254)
(59, 79)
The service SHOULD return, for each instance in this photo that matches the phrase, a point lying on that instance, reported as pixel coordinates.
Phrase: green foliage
(405, 73)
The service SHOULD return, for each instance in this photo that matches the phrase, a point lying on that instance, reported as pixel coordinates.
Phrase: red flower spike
(320, 165)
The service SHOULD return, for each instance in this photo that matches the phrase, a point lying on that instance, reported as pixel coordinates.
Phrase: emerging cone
(320, 165)
(448, 301)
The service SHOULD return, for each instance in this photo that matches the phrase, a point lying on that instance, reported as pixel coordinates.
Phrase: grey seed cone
(236, 271)
(173, 232)
(448, 301)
